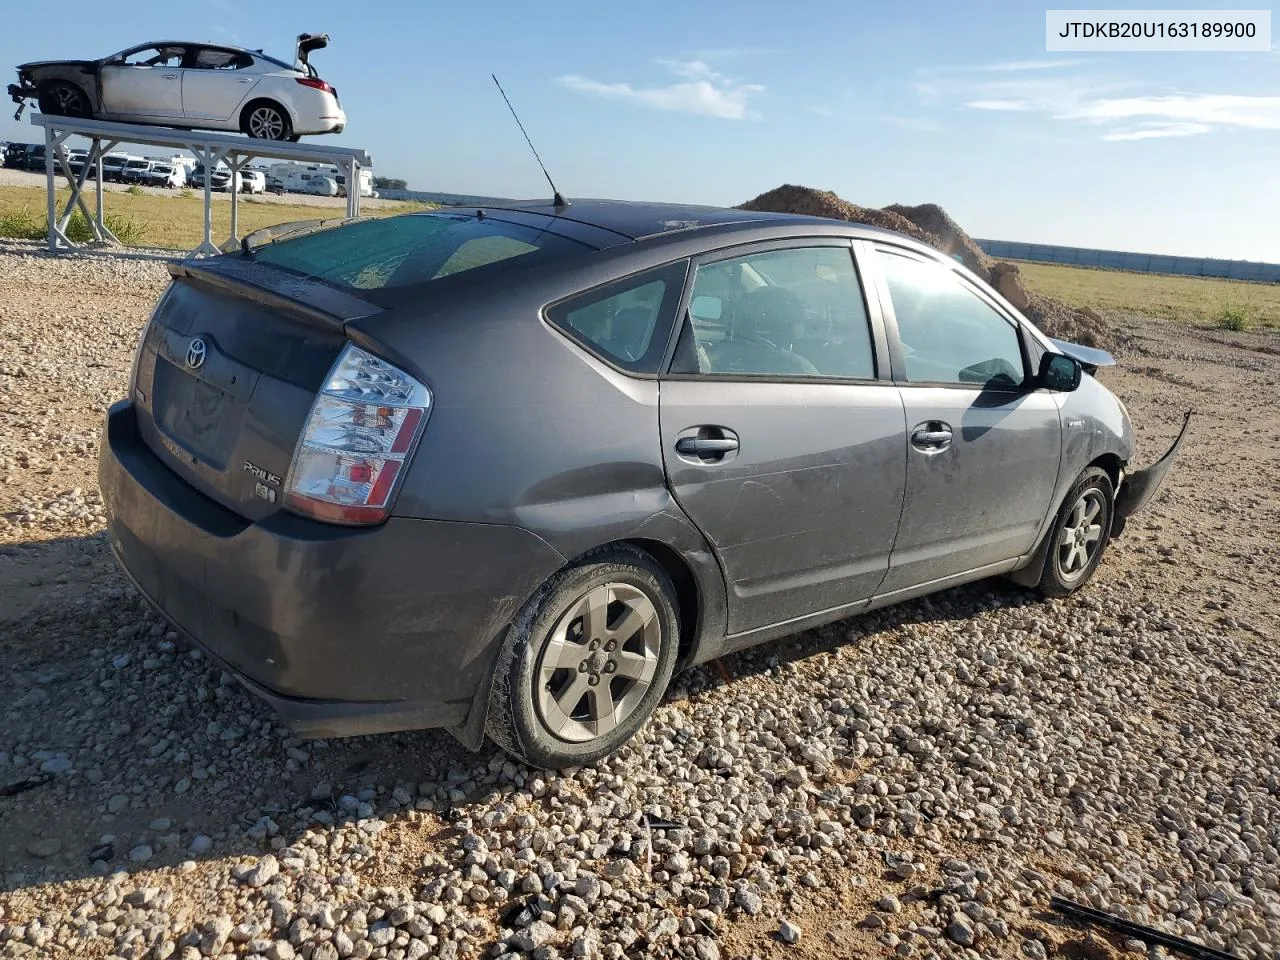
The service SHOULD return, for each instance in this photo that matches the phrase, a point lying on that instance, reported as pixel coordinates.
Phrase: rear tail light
(316, 83)
(360, 433)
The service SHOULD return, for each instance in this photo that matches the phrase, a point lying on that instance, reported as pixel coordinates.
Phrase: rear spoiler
(306, 300)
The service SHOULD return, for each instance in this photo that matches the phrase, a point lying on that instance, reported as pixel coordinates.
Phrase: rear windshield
(411, 249)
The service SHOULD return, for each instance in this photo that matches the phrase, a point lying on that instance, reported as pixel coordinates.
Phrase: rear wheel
(62, 99)
(1079, 535)
(586, 661)
(264, 120)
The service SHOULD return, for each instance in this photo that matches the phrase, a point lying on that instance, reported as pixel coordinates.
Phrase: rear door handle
(932, 436)
(707, 444)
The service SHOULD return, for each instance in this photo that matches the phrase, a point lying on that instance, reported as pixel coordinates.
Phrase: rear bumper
(19, 92)
(342, 631)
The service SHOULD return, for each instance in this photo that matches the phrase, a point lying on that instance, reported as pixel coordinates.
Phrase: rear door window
(627, 322)
(412, 249)
(791, 312)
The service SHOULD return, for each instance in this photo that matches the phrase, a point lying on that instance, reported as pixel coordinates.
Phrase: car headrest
(770, 312)
(630, 330)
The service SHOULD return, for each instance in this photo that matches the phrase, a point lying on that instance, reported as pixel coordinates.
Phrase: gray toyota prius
(505, 470)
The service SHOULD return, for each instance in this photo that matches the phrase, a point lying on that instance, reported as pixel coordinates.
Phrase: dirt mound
(953, 241)
(930, 224)
(823, 203)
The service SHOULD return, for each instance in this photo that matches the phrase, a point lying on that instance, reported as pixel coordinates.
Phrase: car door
(216, 82)
(983, 444)
(145, 83)
(779, 441)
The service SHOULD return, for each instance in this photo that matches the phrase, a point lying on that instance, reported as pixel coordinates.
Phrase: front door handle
(932, 436)
(169, 76)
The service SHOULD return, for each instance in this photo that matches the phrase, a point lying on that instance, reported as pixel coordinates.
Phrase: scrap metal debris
(1089, 916)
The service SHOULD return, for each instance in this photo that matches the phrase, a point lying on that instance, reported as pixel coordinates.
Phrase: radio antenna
(557, 199)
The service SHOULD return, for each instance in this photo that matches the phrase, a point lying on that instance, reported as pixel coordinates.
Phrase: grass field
(171, 221)
(1231, 304)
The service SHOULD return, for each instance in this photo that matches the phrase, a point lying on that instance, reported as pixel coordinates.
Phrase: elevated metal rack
(209, 148)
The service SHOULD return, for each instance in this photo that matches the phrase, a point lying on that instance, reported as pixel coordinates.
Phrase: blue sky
(715, 102)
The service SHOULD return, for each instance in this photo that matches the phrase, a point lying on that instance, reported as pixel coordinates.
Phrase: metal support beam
(208, 148)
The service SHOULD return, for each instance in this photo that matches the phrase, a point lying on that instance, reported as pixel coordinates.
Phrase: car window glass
(793, 312)
(156, 57)
(207, 59)
(412, 249)
(628, 321)
(948, 333)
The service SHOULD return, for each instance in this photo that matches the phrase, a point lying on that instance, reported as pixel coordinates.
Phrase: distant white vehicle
(218, 176)
(253, 181)
(366, 183)
(199, 86)
(320, 187)
(113, 165)
(168, 175)
(137, 170)
(305, 178)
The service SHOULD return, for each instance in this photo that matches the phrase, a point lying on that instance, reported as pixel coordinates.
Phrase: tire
(548, 715)
(266, 120)
(62, 99)
(1074, 556)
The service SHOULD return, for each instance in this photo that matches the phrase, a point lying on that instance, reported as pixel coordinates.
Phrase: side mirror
(1060, 372)
(706, 308)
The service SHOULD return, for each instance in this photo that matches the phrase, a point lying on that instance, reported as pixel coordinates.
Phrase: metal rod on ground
(1088, 915)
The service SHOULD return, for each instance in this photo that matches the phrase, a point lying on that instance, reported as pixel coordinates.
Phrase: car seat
(760, 331)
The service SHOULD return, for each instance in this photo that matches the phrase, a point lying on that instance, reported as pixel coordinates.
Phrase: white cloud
(999, 105)
(704, 91)
(1154, 128)
(1201, 110)
(1017, 66)
(1123, 111)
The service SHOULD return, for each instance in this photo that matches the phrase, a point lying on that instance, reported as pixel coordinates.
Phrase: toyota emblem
(196, 354)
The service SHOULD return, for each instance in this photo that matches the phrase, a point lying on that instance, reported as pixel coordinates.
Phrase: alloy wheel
(1081, 536)
(265, 123)
(598, 662)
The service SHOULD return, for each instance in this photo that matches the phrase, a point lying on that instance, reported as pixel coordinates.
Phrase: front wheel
(1079, 535)
(266, 121)
(586, 661)
(62, 99)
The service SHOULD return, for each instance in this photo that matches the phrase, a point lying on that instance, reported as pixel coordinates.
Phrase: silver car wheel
(597, 662)
(265, 123)
(1081, 536)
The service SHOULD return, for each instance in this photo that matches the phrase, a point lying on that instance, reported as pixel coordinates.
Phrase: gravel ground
(25, 178)
(915, 782)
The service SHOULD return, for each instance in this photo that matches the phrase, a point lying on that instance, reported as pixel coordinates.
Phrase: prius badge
(196, 353)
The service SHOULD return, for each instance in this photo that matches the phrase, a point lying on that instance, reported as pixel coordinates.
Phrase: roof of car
(638, 220)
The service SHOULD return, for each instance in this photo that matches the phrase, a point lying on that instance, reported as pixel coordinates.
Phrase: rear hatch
(233, 357)
(239, 345)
